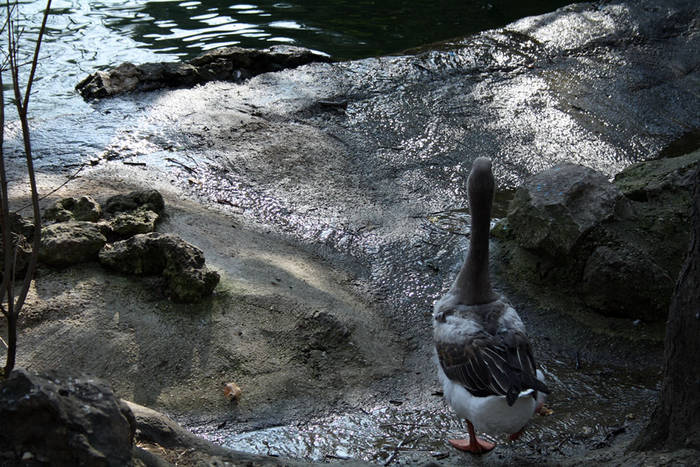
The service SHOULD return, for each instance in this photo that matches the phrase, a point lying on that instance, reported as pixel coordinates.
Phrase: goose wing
(491, 365)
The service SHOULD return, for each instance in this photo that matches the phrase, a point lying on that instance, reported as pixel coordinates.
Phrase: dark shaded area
(675, 422)
(62, 420)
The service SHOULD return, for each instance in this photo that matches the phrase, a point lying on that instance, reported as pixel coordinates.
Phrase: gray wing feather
(486, 365)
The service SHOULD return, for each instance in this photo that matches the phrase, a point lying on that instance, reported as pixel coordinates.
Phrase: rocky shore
(329, 198)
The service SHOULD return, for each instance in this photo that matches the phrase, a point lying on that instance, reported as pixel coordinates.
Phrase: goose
(485, 361)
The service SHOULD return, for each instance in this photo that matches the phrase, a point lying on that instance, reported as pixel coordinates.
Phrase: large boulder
(181, 263)
(647, 181)
(229, 64)
(58, 420)
(72, 242)
(618, 247)
(80, 209)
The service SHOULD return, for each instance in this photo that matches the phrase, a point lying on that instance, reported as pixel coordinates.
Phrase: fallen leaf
(232, 391)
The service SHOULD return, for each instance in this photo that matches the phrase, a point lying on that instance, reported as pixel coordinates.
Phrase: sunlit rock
(225, 64)
(79, 209)
(127, 224)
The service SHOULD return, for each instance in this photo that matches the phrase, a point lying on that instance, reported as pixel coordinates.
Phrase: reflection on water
(84, 35)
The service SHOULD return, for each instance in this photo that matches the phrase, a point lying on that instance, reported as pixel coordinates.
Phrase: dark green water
(341, 28)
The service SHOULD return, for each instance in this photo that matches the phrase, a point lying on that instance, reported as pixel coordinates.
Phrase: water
(415, 432)
(85, 35)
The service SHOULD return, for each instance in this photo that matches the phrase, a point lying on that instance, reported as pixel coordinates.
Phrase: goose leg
(473, 444)
(515, 436)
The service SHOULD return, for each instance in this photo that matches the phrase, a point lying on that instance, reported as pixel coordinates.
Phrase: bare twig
(406, 440)
(21, 103)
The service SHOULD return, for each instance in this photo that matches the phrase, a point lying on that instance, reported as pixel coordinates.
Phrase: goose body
(485, 361)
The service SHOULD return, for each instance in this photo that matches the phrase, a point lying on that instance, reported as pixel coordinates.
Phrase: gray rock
(22, 230)
(141, 255)
(150, 200)
(127, 224)
(59, 420)
(80, 209)
(20, 255)
(180, 263)
(72, 242)
(225, 64)
(555, 208)
(646, 181)
(624, 281)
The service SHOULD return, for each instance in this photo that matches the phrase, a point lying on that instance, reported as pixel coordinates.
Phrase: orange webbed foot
(474, 445)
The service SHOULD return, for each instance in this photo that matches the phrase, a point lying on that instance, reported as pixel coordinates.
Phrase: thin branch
(4, 206)
(30, 80)
(4, 343)
(68, 180)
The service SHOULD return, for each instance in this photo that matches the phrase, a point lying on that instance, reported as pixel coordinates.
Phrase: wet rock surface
(363, 158)
(162, 436)
(225, 64)
(571, 230)
(62, 420)
(182, 264)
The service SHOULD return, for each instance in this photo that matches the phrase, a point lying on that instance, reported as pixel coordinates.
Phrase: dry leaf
(232, 391)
